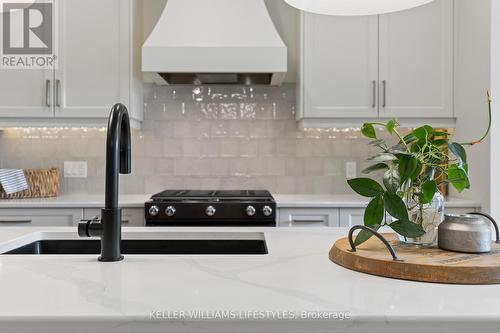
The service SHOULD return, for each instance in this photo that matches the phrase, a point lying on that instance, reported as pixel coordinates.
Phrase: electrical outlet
(75, 169)
(350, 170)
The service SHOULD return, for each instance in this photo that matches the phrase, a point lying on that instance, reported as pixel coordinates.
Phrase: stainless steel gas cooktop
(211, 208)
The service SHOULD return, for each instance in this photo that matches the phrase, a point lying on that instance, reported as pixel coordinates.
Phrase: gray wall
(472, 79)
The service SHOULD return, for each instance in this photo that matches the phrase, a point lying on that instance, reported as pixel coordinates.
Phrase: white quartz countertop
(163, 293)
(282, 200)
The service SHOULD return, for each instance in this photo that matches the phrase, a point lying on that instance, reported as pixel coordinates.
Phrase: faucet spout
(118, 160)
(118, 152)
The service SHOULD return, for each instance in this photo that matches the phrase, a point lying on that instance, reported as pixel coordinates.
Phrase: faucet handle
(90, 228)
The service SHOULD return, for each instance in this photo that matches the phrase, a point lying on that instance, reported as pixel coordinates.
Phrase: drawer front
(39, 217)
(307, 217)
(351, 216)
(131, 217)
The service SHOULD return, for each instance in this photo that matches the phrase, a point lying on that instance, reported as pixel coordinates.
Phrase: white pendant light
(354, 7)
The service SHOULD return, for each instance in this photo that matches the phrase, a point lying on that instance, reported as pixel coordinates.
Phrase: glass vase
(428, 216)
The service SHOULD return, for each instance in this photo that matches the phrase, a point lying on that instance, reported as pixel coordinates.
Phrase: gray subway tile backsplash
(202, 137)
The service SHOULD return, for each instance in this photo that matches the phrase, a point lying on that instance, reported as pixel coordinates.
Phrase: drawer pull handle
(384, 85)
(58, 88)
(374, 96)
(15, 221)
(47, 93)
(308, 220)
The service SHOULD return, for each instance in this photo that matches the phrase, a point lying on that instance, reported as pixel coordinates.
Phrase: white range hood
(215, 41)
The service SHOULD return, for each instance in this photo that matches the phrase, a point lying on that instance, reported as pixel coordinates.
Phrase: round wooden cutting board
(419, 264)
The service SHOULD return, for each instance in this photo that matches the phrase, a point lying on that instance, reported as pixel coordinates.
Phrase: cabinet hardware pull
(374, 87)
(308, 219)
(15, 221)
(58, 85)
(47, 93)
(384, 86)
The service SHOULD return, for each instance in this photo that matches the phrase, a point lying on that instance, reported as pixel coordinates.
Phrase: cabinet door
(39, 217)
(416, 62)
(339, 66)
(25, 93)
(92, 55)
(307, 217)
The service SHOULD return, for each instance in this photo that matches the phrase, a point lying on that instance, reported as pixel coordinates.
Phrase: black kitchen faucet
(118, 160)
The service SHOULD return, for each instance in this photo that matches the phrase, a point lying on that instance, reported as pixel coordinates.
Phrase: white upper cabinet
(24, 93)
(416, 62)
(340, 66)
(97, 67)
(88, 78)
(370, 67)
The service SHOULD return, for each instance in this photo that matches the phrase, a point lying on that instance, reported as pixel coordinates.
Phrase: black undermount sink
(147, 247)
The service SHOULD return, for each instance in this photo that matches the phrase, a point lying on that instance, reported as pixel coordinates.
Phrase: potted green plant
(408, 200)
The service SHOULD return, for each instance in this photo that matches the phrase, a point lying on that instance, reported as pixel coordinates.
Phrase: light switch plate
(350, 170)
(75, 169)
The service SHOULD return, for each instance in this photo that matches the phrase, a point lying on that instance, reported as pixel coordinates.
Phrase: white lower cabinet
(39, 217)
(335, 217)
(355, 216)
(308, 217)
(131, 217)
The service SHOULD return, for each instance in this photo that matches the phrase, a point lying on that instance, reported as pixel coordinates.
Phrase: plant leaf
(375, 167)
(395, 206)
(383, 157)
(374, 213)
(407, 228)
(429, 188)
(369, 131)
(410, 138)
(423, 133)
(363, 235)
(417, 171)
(407, 166)
(391, 125)
(391, 180)
(366, 187)
(459, 151)
(458, 177)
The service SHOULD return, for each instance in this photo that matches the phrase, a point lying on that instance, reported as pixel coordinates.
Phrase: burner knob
(170, 211)
(250, 211)
(267, 210)
(154, 210)
(210, 211)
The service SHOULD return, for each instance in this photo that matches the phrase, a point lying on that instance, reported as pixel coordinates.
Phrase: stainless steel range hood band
(218, 78)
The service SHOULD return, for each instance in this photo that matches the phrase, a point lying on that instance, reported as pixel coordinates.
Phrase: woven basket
(42, 183)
